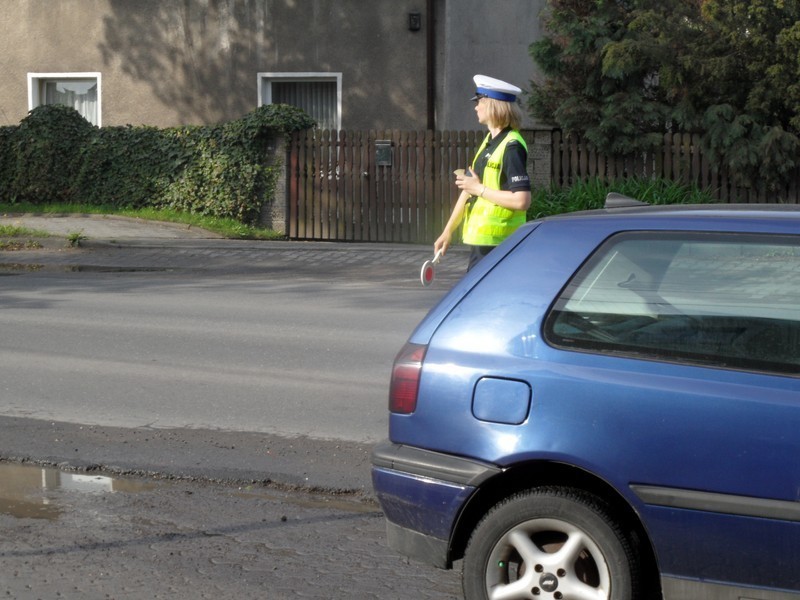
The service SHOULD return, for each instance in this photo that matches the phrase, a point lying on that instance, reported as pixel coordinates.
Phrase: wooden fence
(397, 186)
(679, 158)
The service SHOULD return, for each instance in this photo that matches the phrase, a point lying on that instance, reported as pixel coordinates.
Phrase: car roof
(713, 211)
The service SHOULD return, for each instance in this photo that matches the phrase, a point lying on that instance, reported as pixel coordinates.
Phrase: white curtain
(80, 94)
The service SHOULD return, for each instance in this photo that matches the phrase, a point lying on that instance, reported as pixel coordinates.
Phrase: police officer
(496, 189)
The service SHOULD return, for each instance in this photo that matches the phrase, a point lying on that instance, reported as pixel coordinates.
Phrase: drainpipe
(430, 54)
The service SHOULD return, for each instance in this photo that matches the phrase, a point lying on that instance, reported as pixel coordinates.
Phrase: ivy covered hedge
(226, 170)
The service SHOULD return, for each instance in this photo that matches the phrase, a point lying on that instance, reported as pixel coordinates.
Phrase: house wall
(177, 62)
(490, 38)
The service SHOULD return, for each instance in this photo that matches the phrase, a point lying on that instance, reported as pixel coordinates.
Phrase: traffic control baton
(428, 272)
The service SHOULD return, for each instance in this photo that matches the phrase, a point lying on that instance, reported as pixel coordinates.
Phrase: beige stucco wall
(175, 62)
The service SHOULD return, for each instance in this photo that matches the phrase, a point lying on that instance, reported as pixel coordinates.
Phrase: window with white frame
(318, 94)
(81, 91)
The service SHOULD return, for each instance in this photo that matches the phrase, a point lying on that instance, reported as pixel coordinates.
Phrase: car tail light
(405, 379)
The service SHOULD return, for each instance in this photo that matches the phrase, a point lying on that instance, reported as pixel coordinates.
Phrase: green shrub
(128, 167)
(231, 169)
(47, 153)
(7, 159)
(227, 170)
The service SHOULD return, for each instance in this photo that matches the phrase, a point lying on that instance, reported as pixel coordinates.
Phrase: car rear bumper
(422, 493)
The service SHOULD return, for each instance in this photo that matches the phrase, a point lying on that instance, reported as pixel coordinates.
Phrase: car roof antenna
(614, 200)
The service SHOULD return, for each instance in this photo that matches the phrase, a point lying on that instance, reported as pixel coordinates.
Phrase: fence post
(274, 212)
(540, 158)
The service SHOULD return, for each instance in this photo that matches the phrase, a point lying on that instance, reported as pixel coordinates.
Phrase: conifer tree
(624, 72)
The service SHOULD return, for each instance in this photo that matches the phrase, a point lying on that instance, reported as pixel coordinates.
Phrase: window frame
(557, 315)
(35, 81)
(265, 96)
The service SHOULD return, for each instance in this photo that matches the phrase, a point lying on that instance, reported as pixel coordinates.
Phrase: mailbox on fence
(383, 153)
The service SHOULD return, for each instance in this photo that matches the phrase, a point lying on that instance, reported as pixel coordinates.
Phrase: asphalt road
(155, 328)
(83, 536)
(190, 505)
(205, 349)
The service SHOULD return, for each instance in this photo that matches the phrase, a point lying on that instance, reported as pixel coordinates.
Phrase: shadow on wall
(194, 59)
(200, 58)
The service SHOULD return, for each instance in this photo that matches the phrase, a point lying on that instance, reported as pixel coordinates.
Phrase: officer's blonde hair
(503, 114)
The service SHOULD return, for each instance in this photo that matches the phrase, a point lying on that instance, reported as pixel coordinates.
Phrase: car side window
(715, 299)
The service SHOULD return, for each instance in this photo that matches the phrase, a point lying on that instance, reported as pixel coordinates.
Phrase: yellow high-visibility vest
(488, 224)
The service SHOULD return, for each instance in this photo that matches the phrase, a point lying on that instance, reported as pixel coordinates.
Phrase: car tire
(550, 543)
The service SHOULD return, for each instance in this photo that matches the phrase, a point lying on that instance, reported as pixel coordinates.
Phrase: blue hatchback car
(608, 406)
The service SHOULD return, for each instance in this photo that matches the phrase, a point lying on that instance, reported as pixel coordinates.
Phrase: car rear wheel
(549, 543)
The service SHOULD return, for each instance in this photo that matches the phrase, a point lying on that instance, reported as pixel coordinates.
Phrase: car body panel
(669, 428)
(403, 493)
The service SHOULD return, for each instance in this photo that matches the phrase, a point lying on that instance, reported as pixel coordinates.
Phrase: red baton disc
(427, 273)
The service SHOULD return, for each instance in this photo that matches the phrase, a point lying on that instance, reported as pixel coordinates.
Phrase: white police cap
(494, 88)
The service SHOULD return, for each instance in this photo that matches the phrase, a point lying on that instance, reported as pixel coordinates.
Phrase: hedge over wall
(225, 170)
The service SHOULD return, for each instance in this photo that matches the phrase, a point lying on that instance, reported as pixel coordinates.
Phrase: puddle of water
(29, 492)
(24, 489)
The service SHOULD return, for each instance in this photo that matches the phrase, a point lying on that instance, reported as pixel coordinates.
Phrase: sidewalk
(104, 227)
(122, 243)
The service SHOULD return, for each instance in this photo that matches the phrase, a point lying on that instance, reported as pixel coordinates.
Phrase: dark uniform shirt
(514, 176)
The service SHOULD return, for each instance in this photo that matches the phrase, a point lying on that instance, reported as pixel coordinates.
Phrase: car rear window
(721, 300)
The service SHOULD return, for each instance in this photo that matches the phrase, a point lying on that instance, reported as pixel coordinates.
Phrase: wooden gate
(375, 186)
